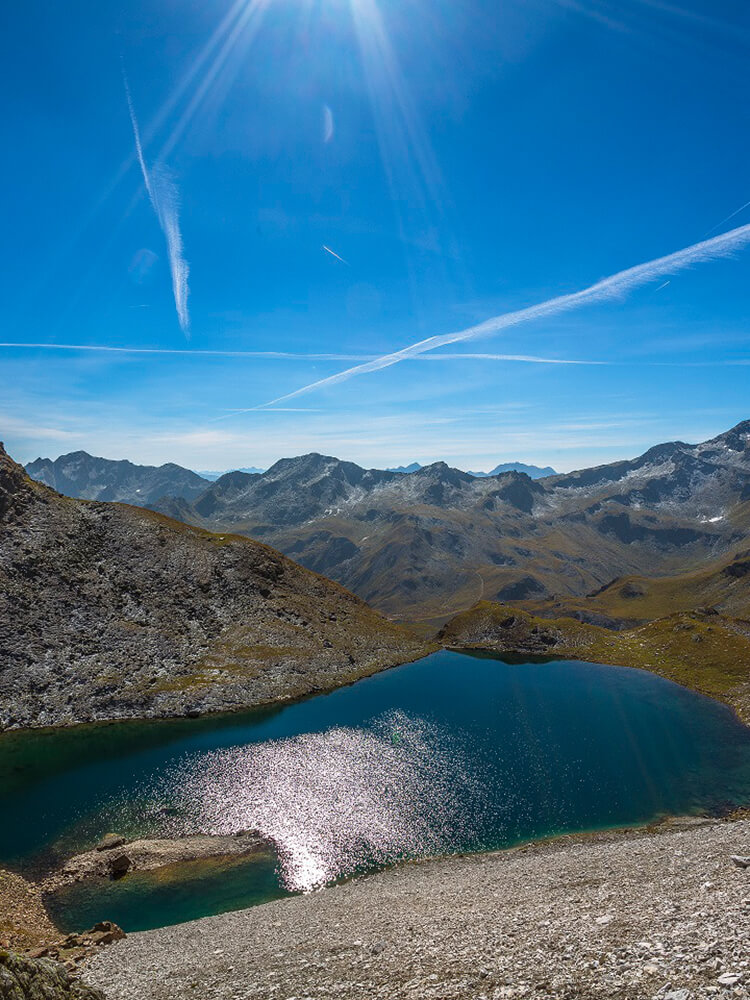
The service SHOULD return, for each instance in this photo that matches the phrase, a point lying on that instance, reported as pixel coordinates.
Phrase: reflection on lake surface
(452, 753)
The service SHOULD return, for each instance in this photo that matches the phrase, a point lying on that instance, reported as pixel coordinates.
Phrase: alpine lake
(454, 753)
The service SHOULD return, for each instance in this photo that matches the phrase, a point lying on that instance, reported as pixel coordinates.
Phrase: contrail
(615, 286)
(334, 254)
(730, 216)
(166, 203)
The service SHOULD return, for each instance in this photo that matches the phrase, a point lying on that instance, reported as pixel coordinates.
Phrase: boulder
(119, 865)
(109, 841)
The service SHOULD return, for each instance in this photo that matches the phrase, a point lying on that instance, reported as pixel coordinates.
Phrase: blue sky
(465, 159)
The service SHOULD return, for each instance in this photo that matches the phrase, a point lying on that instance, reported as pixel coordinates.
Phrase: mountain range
(85, 477)
(110, 611)
(424, 545)
(427, 544)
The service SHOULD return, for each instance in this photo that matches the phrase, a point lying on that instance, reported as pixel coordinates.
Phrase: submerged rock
(146, 855)
(109, 841)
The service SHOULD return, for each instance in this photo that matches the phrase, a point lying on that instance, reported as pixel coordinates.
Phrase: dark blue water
(453, 753)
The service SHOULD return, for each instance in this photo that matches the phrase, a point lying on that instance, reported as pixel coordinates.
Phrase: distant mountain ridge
(428, 543)
(532, 471)
(213, 476)
(87, 477)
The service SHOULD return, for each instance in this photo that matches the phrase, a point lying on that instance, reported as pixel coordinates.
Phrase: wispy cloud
(166, 203)
(524, 358)
(614, 287)
(291, 356)
(453, 357)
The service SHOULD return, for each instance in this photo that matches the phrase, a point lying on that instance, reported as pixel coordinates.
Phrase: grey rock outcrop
(109, 611)
(24, 978)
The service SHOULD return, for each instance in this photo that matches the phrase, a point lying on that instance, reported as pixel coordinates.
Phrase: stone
(729, 978)
(109, 841)
(119, 865)
(105, 932)
(677, 995)
(742, 861)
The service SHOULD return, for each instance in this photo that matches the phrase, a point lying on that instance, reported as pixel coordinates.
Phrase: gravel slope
(621, 916)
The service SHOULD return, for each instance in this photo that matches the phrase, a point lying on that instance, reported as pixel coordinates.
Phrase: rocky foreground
(619, 916)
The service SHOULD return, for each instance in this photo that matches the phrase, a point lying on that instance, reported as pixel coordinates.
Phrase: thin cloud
(615, 286)
(165, 200)
(525, 358)
(290, 356)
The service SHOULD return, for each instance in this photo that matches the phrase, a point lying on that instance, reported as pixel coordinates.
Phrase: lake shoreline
(740, 709)
(281, 701)
(23, 900)
(739, 705)
(621, 914)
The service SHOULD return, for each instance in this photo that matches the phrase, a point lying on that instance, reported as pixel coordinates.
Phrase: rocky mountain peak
(736, 438)
(444, 473)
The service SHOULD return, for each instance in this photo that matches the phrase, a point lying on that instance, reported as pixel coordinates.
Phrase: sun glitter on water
(334, 802)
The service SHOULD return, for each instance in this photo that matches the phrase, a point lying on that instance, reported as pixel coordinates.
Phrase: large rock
(24, 978)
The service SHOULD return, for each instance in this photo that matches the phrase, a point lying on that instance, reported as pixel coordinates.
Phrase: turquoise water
(453, 753)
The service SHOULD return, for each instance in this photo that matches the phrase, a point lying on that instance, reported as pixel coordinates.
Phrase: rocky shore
(660, 914)
(114, 857)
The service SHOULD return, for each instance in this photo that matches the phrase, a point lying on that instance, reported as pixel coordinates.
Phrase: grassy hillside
(723, 585)
(707, 652)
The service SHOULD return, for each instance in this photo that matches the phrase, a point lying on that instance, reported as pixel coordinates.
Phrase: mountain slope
(723, 585)
(109, 611)
(89, 478)
(424, 545)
